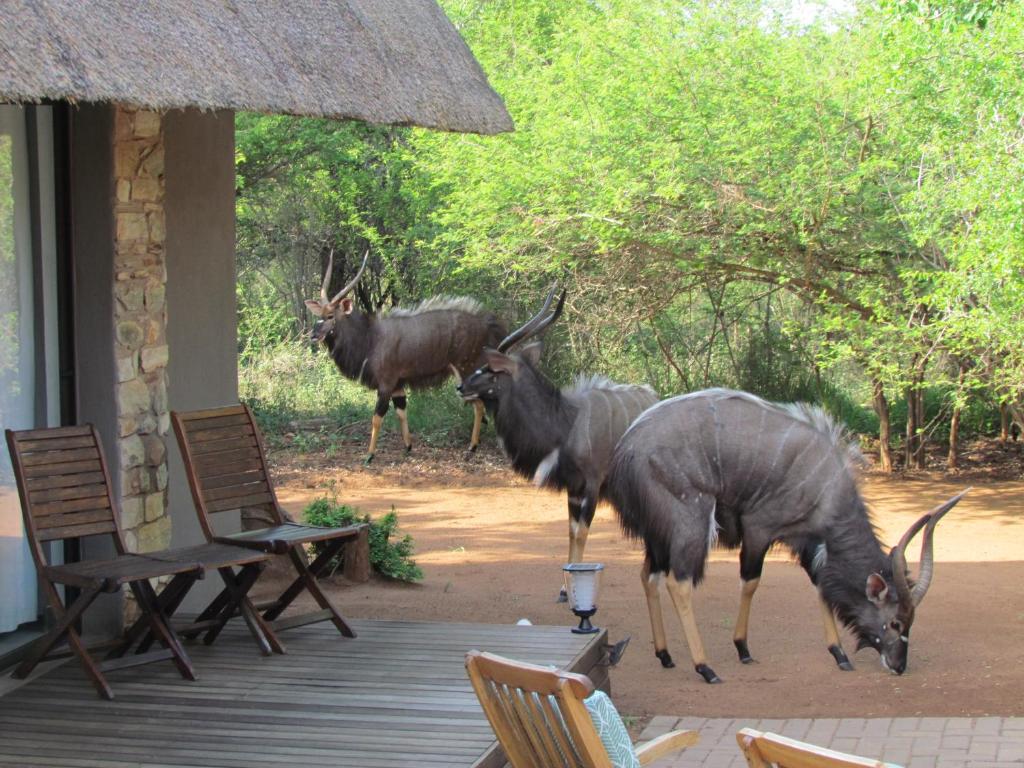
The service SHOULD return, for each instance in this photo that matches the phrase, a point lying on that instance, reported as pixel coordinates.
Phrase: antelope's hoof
(408, 449)
(743, 651)
(562, 597)
(472, 448)
(368, 459)
(707, 673)
(841, 659)
(665, 658)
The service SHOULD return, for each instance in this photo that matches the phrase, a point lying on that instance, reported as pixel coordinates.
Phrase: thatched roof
(383, 61)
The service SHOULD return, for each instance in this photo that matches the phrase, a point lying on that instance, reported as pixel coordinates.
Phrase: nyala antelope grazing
(728, 466)
(415, 348)
(564, 438)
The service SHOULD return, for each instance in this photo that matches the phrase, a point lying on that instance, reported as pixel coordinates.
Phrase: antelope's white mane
(816, 418)
(435, 303)
(584, 383)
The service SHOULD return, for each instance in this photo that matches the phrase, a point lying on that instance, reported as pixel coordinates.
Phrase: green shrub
(392, 559)
(979, 418)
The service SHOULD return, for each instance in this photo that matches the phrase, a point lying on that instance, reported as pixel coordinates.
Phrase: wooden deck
(397, 695)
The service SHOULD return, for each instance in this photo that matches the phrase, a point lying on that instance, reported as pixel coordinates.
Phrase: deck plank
(396, 695)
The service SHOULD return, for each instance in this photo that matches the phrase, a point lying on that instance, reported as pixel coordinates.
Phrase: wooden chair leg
(318, 594)
(65, 625)
(161, 627)
(210, 612)
(237, 587)
(259, 626)
(170, 598)
(295, 588)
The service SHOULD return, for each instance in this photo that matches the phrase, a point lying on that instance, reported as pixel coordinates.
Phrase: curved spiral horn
(535, 323)
(899, 558)
(924, 578)
(542, 326)
(351, 283)
(455, 373)
(327, 279)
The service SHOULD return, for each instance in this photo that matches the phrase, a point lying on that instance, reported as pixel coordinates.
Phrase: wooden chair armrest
(666, 744)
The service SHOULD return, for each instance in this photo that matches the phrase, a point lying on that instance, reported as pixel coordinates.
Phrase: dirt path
(492, 547)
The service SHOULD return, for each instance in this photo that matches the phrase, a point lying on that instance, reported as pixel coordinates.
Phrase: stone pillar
(140, 327)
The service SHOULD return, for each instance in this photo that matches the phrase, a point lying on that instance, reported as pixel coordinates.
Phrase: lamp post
(581, 584)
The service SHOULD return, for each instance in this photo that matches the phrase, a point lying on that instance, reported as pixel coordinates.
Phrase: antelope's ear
(877, 589)
(347, 305)
(531, 352)
(315, 307)
(500, 363)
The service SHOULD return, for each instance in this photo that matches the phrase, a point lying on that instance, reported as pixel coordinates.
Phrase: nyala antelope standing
(564, 438)
(728, 466)
(415, 348)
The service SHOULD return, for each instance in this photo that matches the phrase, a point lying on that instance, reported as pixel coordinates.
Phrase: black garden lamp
(581, 584)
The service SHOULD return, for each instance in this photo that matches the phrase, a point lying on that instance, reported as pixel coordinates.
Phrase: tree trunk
(919, 457)
(915, 428)
(954, 436)
(884, 428)
(910, 435)
(954, 422)
(1004, 423)
(915, 414)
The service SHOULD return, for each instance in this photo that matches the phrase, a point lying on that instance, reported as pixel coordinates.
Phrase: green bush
(392, 559)
(979, 418)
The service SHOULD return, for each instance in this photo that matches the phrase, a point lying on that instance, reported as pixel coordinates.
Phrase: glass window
(28, 369)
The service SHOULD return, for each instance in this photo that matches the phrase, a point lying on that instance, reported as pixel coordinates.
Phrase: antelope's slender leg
(751, 565)
(398, 398)
(651, 582)
(378, 417)
(579, 528)
(681, 593)
(478, 419)
(832, 637)
(813, 557)
(739, 635)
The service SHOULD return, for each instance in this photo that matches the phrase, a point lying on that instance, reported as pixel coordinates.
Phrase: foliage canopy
(829, 210)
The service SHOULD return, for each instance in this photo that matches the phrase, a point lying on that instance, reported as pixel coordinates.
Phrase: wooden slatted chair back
(225, 461)
(764, 750)
(537, 713)
(63, 484)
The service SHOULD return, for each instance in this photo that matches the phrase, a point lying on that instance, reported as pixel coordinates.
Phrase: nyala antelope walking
(415, 348)
(563, 439)
(728, 466)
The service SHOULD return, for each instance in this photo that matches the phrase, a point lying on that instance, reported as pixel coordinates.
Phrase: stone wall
(140, 327)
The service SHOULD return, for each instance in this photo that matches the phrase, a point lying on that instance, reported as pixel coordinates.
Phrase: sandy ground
(491, 547)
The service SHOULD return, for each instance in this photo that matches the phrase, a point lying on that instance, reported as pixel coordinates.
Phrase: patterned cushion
(612, 730)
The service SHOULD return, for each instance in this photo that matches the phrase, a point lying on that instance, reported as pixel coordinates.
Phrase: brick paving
(914, 742)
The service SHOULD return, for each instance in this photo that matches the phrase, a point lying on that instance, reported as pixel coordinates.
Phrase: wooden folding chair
(764, 750)
(541, 721)
(65, 493)
(227, 470)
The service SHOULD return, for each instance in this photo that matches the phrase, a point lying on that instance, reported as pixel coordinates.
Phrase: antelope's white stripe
(713, 527)
(820, 558)
(812, 415)
(545, 468)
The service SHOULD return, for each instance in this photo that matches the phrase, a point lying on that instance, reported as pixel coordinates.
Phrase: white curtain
(18, 600)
